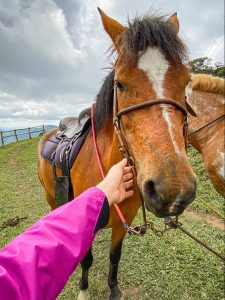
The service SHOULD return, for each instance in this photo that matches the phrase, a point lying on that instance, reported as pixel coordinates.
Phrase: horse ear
(112, 27)
(175, 22)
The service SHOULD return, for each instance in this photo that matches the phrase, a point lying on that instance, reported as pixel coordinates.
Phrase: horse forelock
(153, 31)
(208, 83)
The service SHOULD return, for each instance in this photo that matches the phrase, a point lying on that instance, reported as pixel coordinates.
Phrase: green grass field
(172, 267)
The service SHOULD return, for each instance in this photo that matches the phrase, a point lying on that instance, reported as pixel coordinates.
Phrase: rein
(206, 125)
(100, 165)
(174, 224)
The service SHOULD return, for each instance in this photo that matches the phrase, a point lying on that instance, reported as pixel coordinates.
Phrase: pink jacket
(38, 263)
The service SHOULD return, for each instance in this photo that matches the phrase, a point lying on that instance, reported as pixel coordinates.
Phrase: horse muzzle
(163, 205)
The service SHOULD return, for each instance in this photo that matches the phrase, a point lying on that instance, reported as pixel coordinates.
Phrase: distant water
(24, 134)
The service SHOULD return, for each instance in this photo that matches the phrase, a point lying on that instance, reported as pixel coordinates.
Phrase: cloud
(38, 46)
(49, 109)
(53, 51)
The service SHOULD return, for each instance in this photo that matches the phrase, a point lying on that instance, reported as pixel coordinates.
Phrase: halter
(124, 149)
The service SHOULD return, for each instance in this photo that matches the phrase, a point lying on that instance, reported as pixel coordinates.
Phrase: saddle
(61, 151)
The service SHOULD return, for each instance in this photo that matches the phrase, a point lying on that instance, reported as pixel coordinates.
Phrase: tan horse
(206, 132)
(149, 66)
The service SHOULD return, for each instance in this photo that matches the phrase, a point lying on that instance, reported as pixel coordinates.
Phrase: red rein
(100, 165)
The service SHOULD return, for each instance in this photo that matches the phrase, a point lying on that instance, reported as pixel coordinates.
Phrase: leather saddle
(70, 126)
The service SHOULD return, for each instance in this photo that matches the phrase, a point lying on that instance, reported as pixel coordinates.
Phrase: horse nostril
(150, 188)
(189, 196)
(192, 193)
(150, 191)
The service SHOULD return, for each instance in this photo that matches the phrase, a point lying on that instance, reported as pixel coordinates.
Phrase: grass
(205, 189)
(172, 267)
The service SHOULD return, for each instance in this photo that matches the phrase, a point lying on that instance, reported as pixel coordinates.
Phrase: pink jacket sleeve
(38, 263)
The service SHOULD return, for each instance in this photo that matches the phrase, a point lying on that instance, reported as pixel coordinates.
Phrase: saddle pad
(54, 147)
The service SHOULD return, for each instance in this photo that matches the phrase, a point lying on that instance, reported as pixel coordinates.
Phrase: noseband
(123, 146)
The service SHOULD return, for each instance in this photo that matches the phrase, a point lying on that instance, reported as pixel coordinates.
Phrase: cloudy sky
(53, 52)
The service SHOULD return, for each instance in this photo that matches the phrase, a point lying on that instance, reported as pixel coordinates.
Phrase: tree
(201, 65)
(220, 71)
(204, 65)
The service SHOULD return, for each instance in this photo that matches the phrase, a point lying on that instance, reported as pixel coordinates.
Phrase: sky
(53, 53)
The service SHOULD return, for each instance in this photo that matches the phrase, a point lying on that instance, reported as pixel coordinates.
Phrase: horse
(206, 131)
(151, 64)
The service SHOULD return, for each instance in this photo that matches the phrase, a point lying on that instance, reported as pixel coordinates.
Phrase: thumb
(123, 163)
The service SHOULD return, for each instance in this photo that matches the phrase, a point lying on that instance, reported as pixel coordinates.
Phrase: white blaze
(166, 117)
(154, 64)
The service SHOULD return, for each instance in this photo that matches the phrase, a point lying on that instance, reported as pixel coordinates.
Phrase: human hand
(117, 183)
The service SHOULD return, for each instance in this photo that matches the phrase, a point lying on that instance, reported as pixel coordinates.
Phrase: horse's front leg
(115, 254)
(85, 264)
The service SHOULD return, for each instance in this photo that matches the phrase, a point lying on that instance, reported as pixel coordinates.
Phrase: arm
(39, 262)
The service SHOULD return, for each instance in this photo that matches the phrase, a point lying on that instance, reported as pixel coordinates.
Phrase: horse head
(150, 66)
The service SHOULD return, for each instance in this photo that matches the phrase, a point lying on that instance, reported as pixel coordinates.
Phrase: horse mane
(104, 102)
(208, 83)
(153, 31)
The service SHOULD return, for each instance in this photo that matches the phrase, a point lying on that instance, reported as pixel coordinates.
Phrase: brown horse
(206, 132)
(150, 65)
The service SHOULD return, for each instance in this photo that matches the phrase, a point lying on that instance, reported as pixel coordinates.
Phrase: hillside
(167, 268)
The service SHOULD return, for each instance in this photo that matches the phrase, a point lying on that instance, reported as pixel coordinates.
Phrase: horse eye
(120, 87)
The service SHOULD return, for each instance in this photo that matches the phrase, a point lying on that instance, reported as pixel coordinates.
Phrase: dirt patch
(133, 292)
(205, 217)
(12, 162)
(17, 150)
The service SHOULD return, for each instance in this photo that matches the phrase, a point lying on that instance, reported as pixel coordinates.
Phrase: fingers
(123, 163)
(127, 170)
(127, 177)
(129, 194)
(128, 184)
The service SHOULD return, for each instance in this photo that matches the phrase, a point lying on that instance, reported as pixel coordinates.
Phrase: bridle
(124, 148)
(206, 125)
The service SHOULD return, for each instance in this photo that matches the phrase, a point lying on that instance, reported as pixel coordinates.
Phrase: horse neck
(85, 171)
(108, 145)
(208, 107)
(205, 103)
